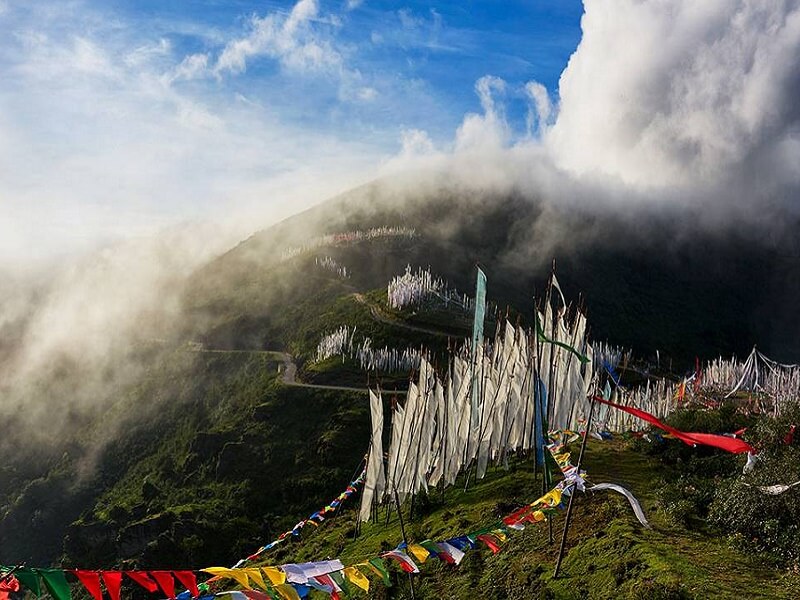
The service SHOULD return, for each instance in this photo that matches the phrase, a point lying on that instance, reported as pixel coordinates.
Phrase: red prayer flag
(403, 560)
(729, 444)
(516, 516)
(113, 581)
(251, 594)
(8, 584)
(91, 581)
(446, 557)
(143, 579)
(490, 541)
(188, 580)
(165, 582)
(328, 580)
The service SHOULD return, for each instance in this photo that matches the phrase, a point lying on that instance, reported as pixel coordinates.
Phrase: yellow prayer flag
(357, 577)
(235, 574)
(550, 499)
(287, 592)
(255, 575)
(562, 459)
(500, 535)
(275, 575)
(419, 552)
(538, 516)
(240, 576)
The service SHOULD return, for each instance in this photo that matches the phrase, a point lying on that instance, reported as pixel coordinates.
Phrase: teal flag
(480, 310)
(477, 339)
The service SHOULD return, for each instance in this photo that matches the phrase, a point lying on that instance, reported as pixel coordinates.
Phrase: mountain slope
(207, 453)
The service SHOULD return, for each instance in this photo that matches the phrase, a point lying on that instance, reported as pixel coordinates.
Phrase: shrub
(755, 520)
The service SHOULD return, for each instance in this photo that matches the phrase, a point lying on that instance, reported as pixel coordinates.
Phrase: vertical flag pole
(572, 495)
(477, 341)
(405, 539)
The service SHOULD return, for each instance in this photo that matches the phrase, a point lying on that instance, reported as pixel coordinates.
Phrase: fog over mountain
(674, 122)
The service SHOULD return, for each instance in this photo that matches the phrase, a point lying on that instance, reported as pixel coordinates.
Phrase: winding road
(289, 370)
(379, 315)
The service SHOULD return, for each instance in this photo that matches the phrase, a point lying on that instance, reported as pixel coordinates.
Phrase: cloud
(538, 115)
(106, 134)
(681, 93)
(488, 131)
(291, 39)
(191, 67)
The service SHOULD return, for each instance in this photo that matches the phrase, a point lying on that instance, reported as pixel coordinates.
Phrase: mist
(679, 113)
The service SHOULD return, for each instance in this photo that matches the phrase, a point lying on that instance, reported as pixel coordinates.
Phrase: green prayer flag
(379, 566)
(542, 337)
(341, 582)
(30, 580)
(273, 595)
(56, 584)
(430, 546)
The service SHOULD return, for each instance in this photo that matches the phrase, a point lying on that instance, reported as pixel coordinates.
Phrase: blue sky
(118, 117)
(422, 59)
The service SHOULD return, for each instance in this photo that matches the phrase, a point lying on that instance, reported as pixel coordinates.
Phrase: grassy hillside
(207, 453)
(609, 554)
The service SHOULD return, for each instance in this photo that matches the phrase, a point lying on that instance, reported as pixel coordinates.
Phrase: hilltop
(215, 449)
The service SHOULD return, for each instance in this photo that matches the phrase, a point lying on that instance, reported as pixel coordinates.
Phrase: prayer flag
(490, 541)
(56, 583)
(30, 580)
(287, 592)
(8, 584)
(143, 579)
(419, 552)
(91, 581)
(403, 560)
(379, 568)
(543, 338)
(340, 581)
(165, 582)
(357, 577)
(733, 445)
(189, 581)
(275, 575)
(113, 582)
(447, 550)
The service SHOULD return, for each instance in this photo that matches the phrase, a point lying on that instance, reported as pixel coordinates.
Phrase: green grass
(609, 555)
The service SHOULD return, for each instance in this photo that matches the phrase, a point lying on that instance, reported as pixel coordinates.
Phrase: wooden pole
(572, 495)
(405, 539)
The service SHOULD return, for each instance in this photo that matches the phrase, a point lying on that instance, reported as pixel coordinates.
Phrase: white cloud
(105, 136)
(291, 39)
(488, 131)
(539, 112)
(353, 4)
(408, 20)
(680, 93)
(416, 142)
(367, 94)
(191, 67)
(148, 52)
